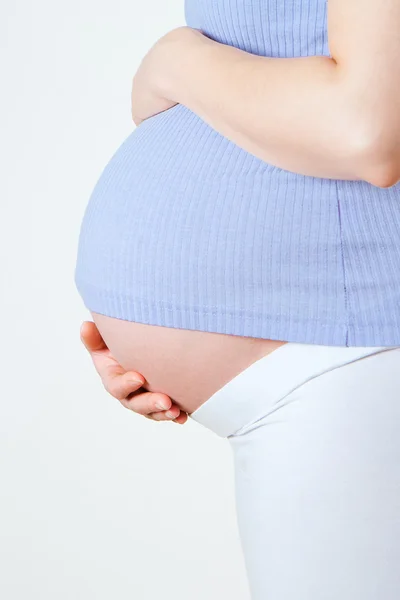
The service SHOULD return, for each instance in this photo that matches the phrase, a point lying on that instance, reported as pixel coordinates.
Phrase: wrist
(180, 50)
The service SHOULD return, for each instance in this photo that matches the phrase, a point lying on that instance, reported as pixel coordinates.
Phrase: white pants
(315, 434)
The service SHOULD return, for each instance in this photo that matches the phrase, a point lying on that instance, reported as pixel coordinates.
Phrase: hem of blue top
(245, 323)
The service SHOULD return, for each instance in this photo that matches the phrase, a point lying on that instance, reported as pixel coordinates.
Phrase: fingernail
(136, 382)
(170, 415)
(161, 406)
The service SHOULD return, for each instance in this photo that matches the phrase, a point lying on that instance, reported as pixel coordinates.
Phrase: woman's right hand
(125, 385)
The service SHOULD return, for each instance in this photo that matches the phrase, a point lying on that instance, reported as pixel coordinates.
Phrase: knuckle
(114, 390)
(118, 394)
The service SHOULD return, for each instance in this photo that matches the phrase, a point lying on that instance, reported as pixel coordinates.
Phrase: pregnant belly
(188, 366)
(179, 225)
(184, 224)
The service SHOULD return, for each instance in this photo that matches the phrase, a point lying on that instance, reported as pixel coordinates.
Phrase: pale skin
(187, 367)
(124, 385)
(335, 117)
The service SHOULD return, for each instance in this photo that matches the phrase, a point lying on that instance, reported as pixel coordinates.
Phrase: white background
(95, 502)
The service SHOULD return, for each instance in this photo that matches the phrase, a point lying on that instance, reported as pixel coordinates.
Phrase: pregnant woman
(240, 255)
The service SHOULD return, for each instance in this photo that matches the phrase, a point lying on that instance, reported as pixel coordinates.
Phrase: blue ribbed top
(185, 229)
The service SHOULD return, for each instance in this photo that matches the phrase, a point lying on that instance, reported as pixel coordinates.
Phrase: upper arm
(364, 40)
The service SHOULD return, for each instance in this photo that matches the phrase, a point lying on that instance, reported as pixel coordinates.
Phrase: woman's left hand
(153, 83)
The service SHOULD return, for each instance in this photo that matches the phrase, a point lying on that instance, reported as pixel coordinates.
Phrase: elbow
(386, 177)
(376, 152)
(380, 166)
(381, 169)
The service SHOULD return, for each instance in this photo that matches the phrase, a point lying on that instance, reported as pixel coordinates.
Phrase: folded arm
(336, 117)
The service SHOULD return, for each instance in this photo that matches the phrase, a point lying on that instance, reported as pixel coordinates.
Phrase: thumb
(91, 337)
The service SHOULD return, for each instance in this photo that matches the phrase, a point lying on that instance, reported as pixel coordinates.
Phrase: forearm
(298, 114)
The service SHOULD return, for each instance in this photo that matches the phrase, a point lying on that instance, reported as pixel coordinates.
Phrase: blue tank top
(187, 230)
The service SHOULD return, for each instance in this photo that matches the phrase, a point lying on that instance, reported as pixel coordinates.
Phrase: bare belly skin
(189, 366)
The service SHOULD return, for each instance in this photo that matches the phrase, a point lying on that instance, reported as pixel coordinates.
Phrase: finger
(173, 413)
(120, 386)
(105, 364)
(91, 337)
(180, 419)
(145, 403)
